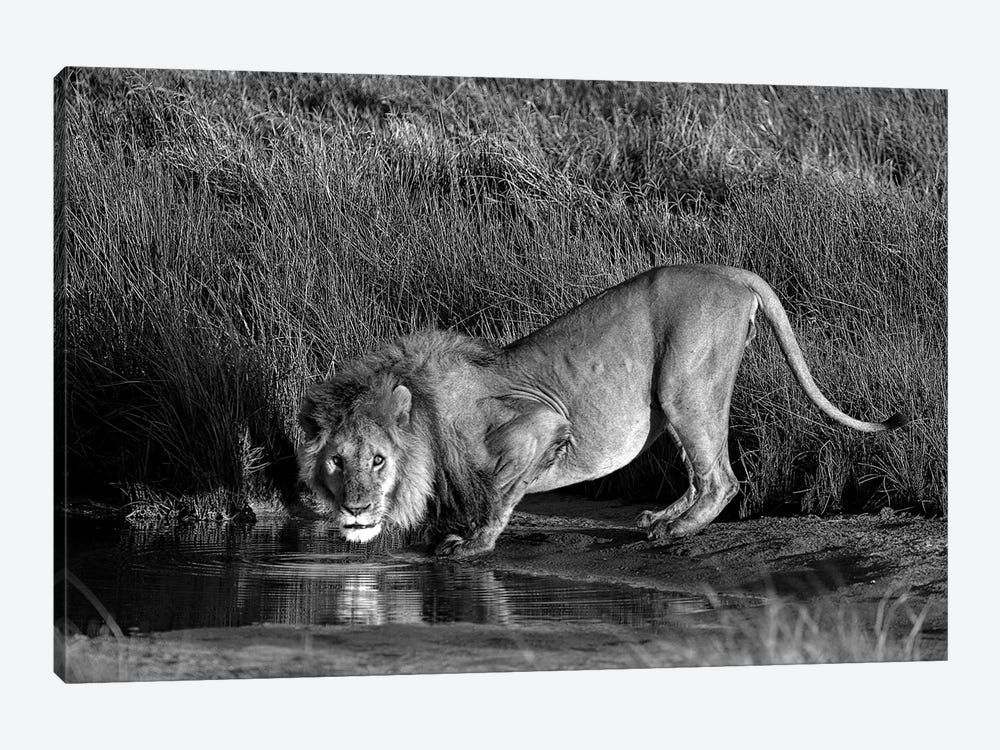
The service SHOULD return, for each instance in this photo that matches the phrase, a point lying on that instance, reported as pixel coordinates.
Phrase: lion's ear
(400, 401)
(307, 411)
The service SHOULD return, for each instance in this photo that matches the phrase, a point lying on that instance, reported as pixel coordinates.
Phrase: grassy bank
(782, 632)
(224, 238)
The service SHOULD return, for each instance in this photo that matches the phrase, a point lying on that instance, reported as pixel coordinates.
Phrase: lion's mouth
(355, 529)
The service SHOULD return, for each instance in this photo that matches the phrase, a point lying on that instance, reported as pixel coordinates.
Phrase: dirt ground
(862, 556)
(859, 561)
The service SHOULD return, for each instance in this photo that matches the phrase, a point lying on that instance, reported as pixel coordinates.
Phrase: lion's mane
(438, 483)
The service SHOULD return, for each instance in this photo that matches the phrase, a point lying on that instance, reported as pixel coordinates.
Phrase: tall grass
(224, 238)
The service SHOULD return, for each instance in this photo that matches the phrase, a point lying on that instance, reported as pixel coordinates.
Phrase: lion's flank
(439, 484)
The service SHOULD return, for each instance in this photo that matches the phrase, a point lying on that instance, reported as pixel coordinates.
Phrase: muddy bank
(875, 568)
(860, 555)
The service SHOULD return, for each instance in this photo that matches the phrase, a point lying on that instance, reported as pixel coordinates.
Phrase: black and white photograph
(369, 374)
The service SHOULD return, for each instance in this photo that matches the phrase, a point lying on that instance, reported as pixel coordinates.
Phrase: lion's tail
(776, 316)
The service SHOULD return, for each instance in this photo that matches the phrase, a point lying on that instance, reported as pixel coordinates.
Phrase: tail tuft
(896, 421)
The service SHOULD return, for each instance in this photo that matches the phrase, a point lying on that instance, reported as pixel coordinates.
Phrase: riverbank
(786, 590)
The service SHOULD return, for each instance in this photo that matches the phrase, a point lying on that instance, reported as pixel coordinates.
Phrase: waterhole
(302, 573)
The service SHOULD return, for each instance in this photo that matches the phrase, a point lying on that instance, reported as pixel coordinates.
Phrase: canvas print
(368, 374)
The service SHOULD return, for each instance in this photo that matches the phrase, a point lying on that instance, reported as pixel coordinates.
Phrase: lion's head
(366, 456)
(381, 450)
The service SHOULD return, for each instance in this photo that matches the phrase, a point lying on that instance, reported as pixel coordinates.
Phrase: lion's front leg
(521, 447)
(482, 539)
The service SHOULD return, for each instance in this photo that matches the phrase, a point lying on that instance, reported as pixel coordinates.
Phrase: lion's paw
(646, 519)
(662, 531)
(665, 530)
(455, 546)
(448, 546)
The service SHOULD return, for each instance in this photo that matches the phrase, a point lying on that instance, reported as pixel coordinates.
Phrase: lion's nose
(356, 508)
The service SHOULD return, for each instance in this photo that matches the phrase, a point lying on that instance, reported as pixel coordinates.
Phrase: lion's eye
(333, 463)
(377, 460)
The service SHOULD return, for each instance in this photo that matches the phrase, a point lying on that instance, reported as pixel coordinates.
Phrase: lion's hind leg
(713, 483)
(714, 489)
(695, 400)
(702, 428)
(649, 518)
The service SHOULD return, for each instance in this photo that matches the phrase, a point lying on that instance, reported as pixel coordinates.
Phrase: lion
(450, 432)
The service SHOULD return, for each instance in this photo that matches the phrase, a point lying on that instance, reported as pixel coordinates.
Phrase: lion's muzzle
(360, 524)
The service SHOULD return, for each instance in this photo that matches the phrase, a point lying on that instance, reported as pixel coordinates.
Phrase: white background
(914, 44)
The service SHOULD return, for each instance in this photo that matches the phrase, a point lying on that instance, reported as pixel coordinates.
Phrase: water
(302, 573)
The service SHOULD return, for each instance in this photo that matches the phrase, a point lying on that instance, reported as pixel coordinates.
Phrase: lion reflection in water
(346, 593)
(381, 597)
(450, 431)
(379, 594)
